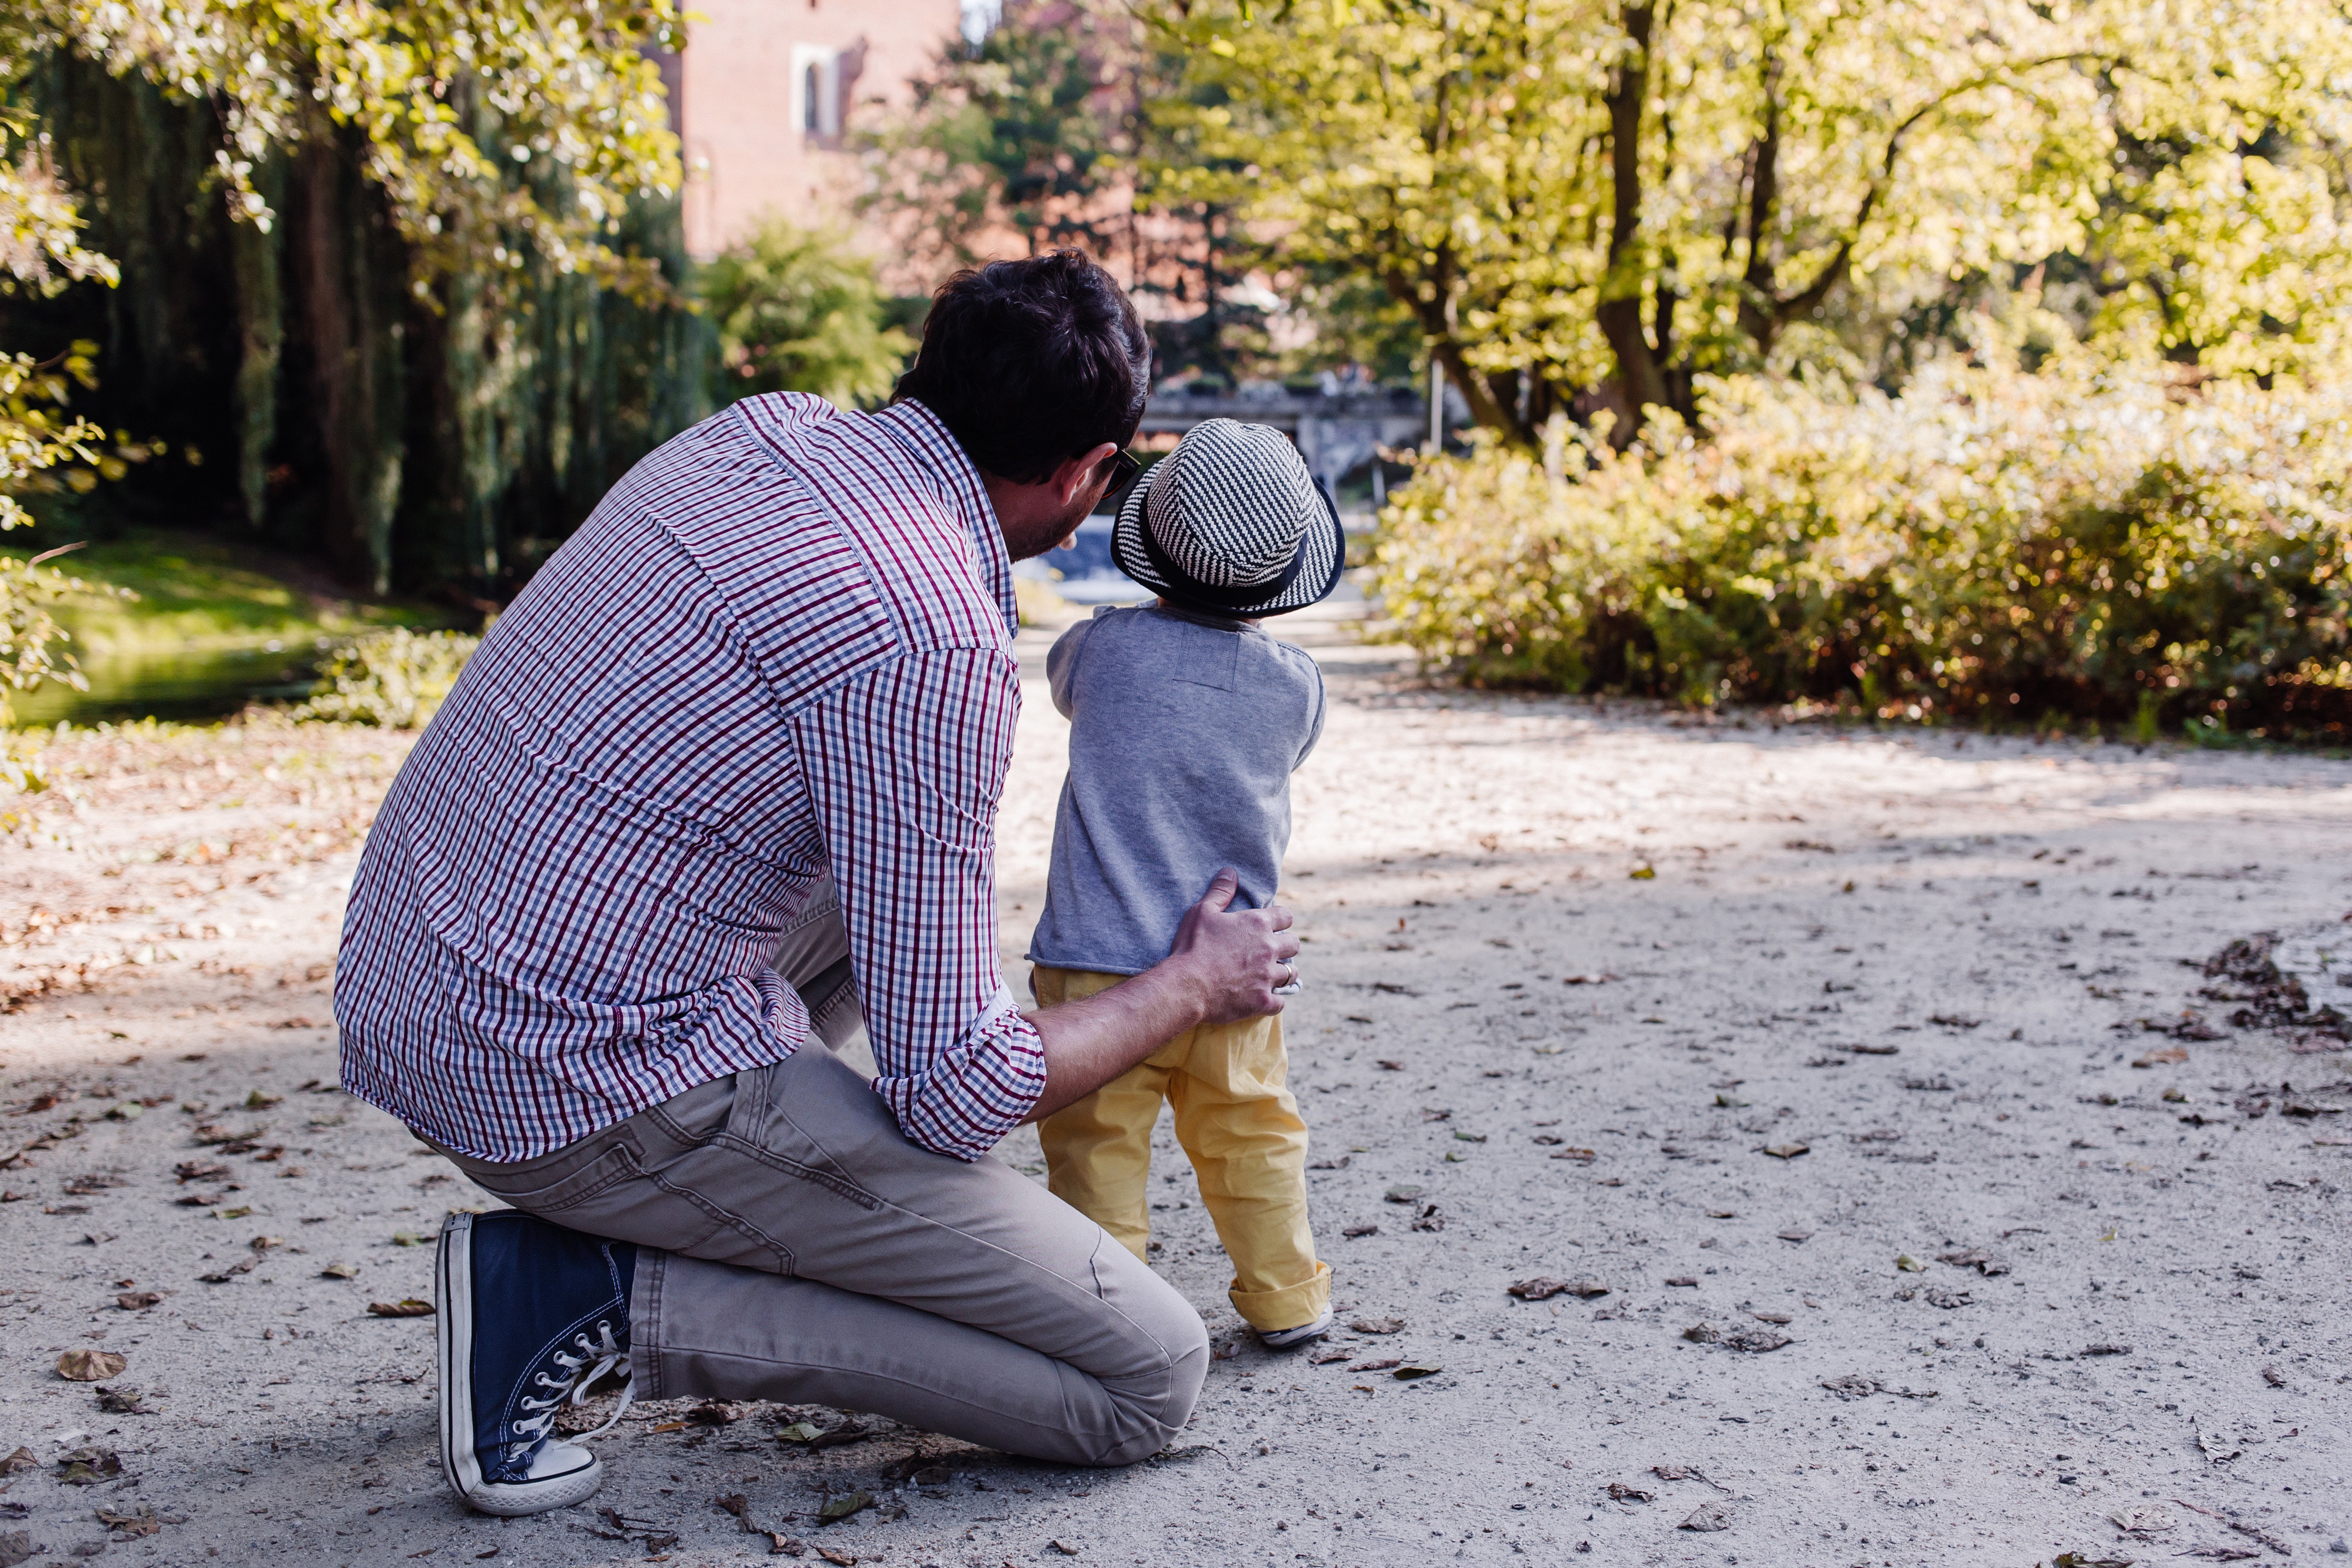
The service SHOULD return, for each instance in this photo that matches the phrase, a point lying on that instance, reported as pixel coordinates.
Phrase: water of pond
(190, 685)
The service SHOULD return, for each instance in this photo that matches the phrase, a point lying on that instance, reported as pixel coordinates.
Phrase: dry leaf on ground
(1378, 1325)
(407, 1307)
(1707, 1516)
(90, 1365)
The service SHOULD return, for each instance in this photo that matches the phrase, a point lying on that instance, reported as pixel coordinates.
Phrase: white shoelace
(598, 1356)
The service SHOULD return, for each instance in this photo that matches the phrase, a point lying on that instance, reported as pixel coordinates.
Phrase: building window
(816, 91)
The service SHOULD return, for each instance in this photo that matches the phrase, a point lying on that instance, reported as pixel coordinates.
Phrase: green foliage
(2090, 541)
(394, 679)
(1029, 133)
(1615, 197)
(799, 310)
(493, 127)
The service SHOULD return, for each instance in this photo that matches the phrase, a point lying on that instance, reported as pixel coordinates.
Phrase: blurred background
(1906, 361)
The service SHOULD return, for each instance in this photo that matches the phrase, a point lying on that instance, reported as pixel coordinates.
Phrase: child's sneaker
(531, 1315)
(1291, 1339)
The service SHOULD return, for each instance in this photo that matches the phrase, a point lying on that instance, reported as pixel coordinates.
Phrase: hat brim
(1323, 552)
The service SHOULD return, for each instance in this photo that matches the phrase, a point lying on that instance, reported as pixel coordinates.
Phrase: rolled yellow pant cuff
(1293, 1306)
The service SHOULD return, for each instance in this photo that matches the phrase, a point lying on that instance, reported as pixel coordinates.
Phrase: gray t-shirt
(1185, 731)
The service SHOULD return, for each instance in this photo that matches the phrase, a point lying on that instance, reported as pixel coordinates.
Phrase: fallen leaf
(1701, 1333)
(1582, 1156)
(1781, 1319)
(1946, 1298)
(714, 1414)
(1787, 1151)
(1382, 1363)
(2275, 1378)
(837, 1509)
(1063, 1548)
(18, 1462)
(410, 1238)
(130, 1526)
(1402, 1195)
(1643, 873)
(138, 1301)
(1378, 1325)
(1799, 1235)
(1620, 1492)
(1416, 1369)
(407, 1307)
(1683, 1282)
(2076, 1560)
(124, 1402)
(88, 1467)
(842, 1559)
(1756, 1341)
(1325, 1357)
(2106, 1350)
(2169, 1056)
(90, 1365)
(1707, 1516)
(1871, 1049)
(340, 1272)
(1361, 1230)
(1543, 1289)
(1908, 1264)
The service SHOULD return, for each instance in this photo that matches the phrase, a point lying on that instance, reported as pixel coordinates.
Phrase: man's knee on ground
(1154, 1404)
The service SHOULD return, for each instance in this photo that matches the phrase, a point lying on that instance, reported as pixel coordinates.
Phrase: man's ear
(1077, 473)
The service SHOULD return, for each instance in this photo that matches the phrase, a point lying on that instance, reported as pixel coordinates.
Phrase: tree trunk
(1641, 377)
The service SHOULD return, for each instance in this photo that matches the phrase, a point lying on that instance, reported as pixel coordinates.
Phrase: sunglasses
(1124, 470)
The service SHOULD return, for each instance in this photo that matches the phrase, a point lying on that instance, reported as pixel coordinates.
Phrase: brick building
(765, 90)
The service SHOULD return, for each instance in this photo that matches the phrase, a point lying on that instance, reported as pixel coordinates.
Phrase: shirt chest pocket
(1216, 667)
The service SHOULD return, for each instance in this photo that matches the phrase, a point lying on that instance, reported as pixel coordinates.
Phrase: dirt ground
(1582, 983)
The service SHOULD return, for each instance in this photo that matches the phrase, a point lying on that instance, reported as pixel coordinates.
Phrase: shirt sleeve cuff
(977, 1093)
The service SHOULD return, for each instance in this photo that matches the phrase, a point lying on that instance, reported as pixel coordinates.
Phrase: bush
(395, 679)
(798, 310)
(2103, 544)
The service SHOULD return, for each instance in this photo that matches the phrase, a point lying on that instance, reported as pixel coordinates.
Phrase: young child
(1186, 722)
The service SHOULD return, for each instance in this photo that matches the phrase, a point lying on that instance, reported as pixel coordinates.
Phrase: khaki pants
(794, 1246)
(1224, 1082)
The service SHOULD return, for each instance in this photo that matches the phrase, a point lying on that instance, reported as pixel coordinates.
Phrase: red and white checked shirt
(782, 642)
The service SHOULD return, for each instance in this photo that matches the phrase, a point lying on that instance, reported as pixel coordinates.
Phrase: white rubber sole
(454, 1341)
(1291, 1339)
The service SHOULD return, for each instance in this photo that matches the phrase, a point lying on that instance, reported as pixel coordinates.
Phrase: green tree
(404, 261)
(1606, 199)
(1036, 135)
(799, 310)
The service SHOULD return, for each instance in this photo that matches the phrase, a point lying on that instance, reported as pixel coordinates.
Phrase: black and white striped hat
(1231, 521)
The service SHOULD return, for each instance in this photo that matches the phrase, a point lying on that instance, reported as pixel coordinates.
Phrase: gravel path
(1805, 1059)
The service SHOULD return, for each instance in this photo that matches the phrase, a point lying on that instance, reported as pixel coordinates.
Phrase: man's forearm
(1092, 1040)
(1224, 968)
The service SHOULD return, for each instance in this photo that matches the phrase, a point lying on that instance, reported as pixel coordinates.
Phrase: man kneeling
(780, 653)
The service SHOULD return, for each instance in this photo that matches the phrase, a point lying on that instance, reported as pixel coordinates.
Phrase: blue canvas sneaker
(531, 1315)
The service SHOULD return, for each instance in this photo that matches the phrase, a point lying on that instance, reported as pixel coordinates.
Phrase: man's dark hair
(1031, 363)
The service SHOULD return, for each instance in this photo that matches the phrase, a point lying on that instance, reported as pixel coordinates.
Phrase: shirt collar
(918, 429)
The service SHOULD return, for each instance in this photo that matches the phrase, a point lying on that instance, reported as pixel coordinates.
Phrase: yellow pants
(1242, 1129)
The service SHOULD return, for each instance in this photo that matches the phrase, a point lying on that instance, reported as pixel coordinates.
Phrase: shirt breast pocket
(1213, 667)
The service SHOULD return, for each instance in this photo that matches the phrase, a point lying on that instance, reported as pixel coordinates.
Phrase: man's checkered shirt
(784, 642)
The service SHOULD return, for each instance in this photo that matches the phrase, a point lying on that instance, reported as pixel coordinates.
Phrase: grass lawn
(198, 626)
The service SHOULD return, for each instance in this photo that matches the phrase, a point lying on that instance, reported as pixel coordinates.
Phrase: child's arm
(1313, 730)
(1061, 662)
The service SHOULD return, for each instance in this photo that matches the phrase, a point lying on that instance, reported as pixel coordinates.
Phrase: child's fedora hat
(1231, 521)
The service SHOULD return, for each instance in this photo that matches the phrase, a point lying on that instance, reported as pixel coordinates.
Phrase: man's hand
(1237, 956)
(1223, 968)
